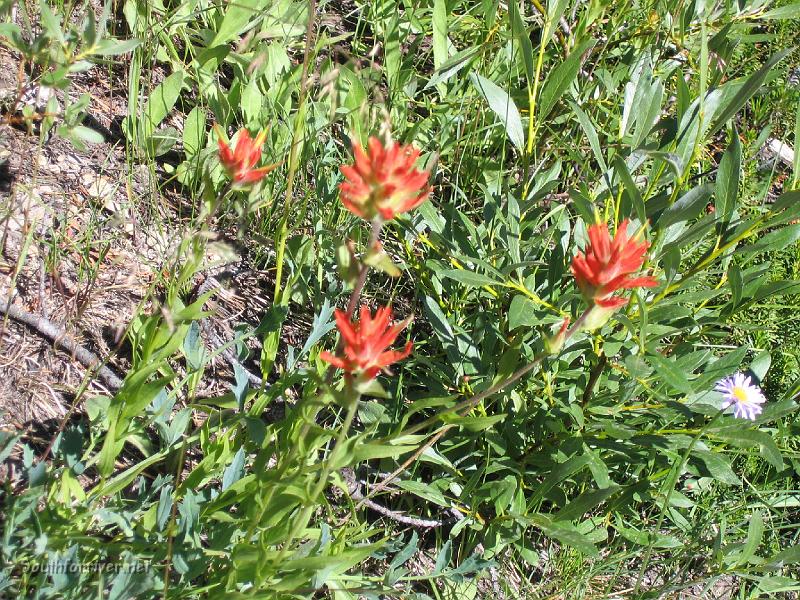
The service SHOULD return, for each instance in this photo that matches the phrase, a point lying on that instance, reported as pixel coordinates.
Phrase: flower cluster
(239, 163)
(383, 181)
(606, 264)
(366, 342)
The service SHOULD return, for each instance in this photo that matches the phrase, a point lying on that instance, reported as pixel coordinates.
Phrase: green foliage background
(608, 469)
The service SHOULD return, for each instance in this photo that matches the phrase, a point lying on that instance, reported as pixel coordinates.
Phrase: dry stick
(61, 340)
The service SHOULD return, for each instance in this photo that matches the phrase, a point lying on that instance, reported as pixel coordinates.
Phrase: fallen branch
(62, 341)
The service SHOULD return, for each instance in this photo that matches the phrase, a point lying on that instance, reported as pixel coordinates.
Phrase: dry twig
(61, 340)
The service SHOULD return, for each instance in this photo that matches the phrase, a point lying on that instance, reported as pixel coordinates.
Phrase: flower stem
(375, 235)
(466, 405)
(302, 521)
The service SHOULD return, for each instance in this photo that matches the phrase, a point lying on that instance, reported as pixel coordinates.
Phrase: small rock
(98, 187)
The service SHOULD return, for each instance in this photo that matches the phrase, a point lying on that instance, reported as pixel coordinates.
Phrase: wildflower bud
(347, 263)
(240, 161)
(597, 317)
(555, 343)
(376, 257)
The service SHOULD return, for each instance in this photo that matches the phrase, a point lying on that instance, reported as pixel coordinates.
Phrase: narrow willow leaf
(670, 373)
(503, 106)
(520, 34)
(750, 87)
(560, 78)
(686, 207)
(630, 187)
(727, 184)
(469, 278)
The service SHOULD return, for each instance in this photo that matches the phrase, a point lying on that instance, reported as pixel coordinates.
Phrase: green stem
(299, 130)
(469, 403)
(302, 521)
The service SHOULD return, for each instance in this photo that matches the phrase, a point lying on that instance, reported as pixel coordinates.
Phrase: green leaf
(750, 87)
(160, 103)
(520, 33)
(560, 78)
(564, 533)
(522, 313)
(234, 471)
(112, 47)
(789, 11)
(503, 106)
(50, 22)
(449, 68)
(717, 467)
(755, 531)
(584, 503)
(591, 134)
(782, 238)
(670, 373)
(736, 283)
(439, 24)
(633, 192)
(686, 207)
(194, 131)
(237, 16)
(406, 553)
(424, 491)
(727, 184)
(469, 278)
(87, 134)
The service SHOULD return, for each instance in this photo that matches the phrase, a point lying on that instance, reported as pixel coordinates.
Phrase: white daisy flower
(742, 394)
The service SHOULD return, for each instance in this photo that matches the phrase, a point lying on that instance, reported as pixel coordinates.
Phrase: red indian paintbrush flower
(239, 161)
(605, 265)
(383, 181)
(365, 343)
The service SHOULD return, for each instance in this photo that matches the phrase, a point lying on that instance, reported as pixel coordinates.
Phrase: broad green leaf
(160, 103)
(670, 373)
(503, 106)
(234, 471)
(559, 80)
(521, 313)
(194, 131)
(237, 16)
(727, 184)
(717, 466)
(111, 47)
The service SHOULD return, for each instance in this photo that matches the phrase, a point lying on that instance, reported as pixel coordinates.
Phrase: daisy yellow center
(740, 393)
